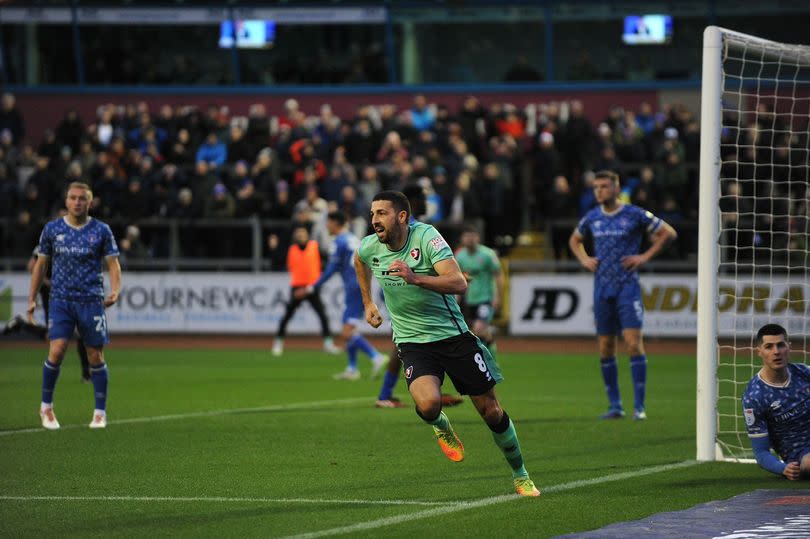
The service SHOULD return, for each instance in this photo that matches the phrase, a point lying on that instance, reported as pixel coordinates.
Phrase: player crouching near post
(419, 277)
(776, 407)
(75, 246)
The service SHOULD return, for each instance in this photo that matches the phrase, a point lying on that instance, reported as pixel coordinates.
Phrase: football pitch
(236, 443)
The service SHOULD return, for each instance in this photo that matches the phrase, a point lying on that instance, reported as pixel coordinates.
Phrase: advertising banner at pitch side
(203, 302)
(542, 304)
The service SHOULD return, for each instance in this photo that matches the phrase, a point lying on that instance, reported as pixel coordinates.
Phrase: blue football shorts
(618, 308)
(88, 317)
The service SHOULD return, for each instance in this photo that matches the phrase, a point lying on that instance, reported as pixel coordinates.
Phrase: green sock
(441, 422)
(509, 444)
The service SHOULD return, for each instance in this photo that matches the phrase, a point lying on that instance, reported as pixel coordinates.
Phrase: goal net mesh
(764, 215)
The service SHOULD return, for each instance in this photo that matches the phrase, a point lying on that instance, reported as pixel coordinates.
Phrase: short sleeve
(45, 247)
(362, 251)
(435, 247)
(649, 222)
(494, 266)
(583, 225)
(755, 422)
(110, 247)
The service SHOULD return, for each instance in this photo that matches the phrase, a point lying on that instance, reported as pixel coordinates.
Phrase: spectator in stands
(25, 236)
(258, 127)
(239, 148)
(249, 202)
(70, 131)
(422, 116)
(9, 193)
(35, 203)
(108, 194)
(140, 202)
(547, 165)
(10, 117)
(202, 181)
(561, 206)
(283, 206)
(212, 151)
(465, 206)
(647, 190)
(361, 144)
(131, 246)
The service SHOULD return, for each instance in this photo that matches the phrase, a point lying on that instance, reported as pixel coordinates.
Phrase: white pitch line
(461, 506)
(214, 499)
(210, 413)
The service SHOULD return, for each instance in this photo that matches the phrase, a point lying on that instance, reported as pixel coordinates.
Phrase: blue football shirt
(616, 235)
(780, 412)
(341, 260)
(76, 255)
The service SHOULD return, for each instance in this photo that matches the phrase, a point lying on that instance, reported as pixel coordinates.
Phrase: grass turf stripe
(484, 502)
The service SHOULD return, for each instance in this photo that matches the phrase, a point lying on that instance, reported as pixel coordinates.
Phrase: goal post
(754, 222)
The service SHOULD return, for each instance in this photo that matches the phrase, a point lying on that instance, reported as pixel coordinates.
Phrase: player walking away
(20, 324)
(304, 265)
(341, 260)
(776, 407)
(416, 196)
(482, 269)
(419, 277)
(617, 230)
(75, 246)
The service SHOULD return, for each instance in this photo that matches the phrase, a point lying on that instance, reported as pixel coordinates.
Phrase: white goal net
(754, 214)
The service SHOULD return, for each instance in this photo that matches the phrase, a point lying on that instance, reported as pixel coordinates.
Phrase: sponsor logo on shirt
(375, 261)
(438, 243)
(749, 416)
(776, 405)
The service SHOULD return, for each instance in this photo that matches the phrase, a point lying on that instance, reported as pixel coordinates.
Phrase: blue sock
(366, 347)
(638, 370)
(50, 373)
(351, 349)
(389, 382)
(100, 377)
(610, 374)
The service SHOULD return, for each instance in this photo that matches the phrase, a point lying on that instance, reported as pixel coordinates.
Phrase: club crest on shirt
(91, 238)
(415, 253)
(749, 416)
(409, 372)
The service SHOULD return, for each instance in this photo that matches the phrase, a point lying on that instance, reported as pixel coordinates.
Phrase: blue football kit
(341, 260)
(77, 285)
(778, 416)
(617, 301)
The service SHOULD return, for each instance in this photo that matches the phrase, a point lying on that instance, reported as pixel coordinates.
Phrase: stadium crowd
(477, 164)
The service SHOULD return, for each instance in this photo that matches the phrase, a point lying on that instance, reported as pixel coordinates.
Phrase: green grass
(342, 450)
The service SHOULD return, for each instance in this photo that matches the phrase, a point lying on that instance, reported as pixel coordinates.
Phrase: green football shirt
(482, 266)
(418, 315)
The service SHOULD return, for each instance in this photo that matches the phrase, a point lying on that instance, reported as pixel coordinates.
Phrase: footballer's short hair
(770, 329)
(607, 175)
(80, 185)
(337, 216)
(396, 198)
